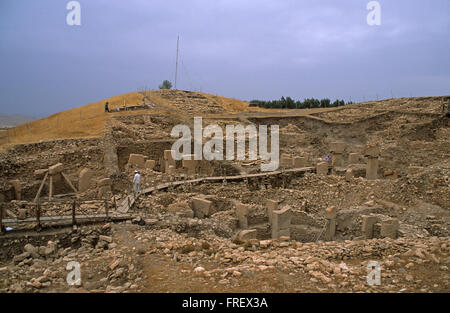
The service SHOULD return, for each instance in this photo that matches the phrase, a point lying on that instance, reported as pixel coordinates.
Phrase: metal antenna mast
(176, 67)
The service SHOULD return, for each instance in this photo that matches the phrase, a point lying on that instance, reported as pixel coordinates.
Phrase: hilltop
(88, 121)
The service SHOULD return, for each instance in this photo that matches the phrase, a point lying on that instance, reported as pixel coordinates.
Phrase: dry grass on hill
(89, 120)
(82, 122)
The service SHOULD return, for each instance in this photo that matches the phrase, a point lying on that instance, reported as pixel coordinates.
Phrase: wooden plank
(68, 218)
(10, 214)
(69, 183)
(40, 188)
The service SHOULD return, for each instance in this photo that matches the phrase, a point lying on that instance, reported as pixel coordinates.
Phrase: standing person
(106, 107)
(136, 183)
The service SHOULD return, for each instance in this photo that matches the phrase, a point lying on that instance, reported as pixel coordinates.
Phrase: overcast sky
(246, 49)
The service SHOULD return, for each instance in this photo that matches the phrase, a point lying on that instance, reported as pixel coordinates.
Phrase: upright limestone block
(330, 230)
(281, 222)
(189, 164)
(337, 147)
(201, 207)
(136, 161)
(17, 188)
(368, 222)
(372, 168)
(354, 158)
(85, 179)
(322, 168)
(286, 160)
(242, 215)
(150, 164)
(168, 159)
(104, 187)
(337, 159)
(168, 155)
(110, 158)
(349, 174)
(299, 162)
(272, 205)
(389, 228)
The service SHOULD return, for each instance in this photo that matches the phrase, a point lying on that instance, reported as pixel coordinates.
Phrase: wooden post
(1, 219)
(50, 188)
(38, 213)
(106, 208)
(74, 220)
(38, 194)
(115, 203)
(69, 182)
(128, 198)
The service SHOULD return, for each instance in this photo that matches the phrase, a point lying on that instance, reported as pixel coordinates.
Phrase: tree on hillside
(165, 85)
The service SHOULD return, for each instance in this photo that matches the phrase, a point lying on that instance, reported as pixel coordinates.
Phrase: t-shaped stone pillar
(272, 205)
(242, 215)
(367, 225)
(389, 228)
(286, 160)
(281, 222)
(168, 160)
(299, 162)
(322, 168)
(189, 164)
(330, 230)
(372, 153)
(17, 188)
(337, 150)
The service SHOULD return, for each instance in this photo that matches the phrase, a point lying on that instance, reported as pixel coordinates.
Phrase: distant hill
(10, 120)
(89, 120)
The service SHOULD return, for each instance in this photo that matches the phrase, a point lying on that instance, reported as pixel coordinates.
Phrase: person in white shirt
(137, 182)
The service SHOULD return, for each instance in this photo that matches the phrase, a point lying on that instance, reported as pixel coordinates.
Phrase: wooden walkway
(129, 201)
(69, 218)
